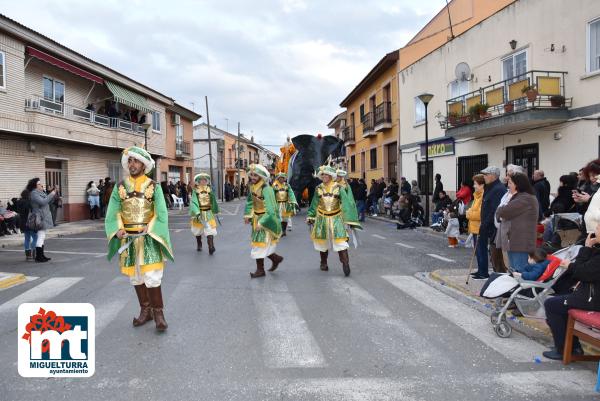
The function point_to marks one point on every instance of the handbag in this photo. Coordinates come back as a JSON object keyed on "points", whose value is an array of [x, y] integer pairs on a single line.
{"points": [[34, 221]]}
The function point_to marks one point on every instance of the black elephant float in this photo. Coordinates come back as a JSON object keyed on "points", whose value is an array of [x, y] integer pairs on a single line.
{"points": [[311, 152]]}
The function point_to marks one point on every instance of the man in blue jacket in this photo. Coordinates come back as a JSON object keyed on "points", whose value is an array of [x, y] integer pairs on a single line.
{"points": [[493, 192]]}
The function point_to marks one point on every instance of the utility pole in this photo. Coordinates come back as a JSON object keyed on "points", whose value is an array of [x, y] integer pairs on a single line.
{"points": [[237, 163], [209, 143]]}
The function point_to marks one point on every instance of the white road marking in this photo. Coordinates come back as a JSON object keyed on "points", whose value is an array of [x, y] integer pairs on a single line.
{"points": [[109, 301], [433, 255], [553, 384], [40, 293], [286, 339], [378, 236], [179, 230], [517, 348], [405, 347], [405, 245]]}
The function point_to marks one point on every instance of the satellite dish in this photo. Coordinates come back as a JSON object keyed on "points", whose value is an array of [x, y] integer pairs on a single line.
{"points": [[462, 71]]}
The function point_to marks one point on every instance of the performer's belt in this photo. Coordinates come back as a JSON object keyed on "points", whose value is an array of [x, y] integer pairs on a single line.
{"points": [[259, 213], [135, 228], [281, 201], [329, 214], [204, 208]]}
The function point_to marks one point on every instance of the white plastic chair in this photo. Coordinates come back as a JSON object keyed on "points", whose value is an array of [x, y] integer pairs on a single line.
{"points": [[177, 201]]}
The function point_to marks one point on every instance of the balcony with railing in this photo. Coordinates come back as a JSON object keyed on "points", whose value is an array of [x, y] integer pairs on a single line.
{"points": [[368, 125], [383, 116], [81, 115], [183, 149], [348, 135], [530, 100]]}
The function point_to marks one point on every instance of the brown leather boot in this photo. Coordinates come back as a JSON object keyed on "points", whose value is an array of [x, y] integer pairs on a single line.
{"points": [[345, 259], [276, 259], [260, 269], [157, 308], [323, 265], [211, 244], [145, 309], [283, 228], [199, 243]]}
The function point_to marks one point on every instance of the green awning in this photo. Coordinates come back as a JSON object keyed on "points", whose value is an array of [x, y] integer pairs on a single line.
{"points": [[125, 96]]}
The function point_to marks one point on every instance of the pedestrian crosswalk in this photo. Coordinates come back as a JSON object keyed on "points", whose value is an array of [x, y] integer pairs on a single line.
{"points": [[289, 339]]}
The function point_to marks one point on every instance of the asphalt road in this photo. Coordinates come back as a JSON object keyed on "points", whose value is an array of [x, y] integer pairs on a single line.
{"points": [[298, 334]]}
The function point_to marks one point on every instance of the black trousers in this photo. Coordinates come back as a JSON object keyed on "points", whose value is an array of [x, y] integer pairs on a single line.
{"points": [[556, 317]]}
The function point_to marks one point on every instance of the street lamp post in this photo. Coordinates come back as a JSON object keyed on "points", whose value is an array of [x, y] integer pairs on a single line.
{"points": [[426, 98]]}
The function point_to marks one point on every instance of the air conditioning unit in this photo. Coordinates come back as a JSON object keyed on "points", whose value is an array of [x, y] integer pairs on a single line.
{"points": [[176, 119], [32, 104]]}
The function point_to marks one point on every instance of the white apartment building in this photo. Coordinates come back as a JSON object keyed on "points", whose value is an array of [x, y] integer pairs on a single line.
{"points": [[553, 45]]}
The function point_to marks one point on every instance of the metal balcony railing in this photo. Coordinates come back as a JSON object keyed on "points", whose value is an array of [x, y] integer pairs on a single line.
{"points": [[79, 114], [348, 133], [183, 148], [367, 123], [383, 113], [531, 90]]}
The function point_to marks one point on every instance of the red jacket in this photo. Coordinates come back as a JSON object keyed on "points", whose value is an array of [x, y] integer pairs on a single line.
{"points": [[464, 194]]}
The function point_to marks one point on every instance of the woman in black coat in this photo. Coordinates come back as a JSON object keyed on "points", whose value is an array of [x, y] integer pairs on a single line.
{"points": [[586, 270], [564, 203]]}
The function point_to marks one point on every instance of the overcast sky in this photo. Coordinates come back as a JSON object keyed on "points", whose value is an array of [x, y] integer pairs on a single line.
{"points": [[280, 67]]}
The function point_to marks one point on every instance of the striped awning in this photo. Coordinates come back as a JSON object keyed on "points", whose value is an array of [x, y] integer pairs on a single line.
{"points": [[125, 96]]}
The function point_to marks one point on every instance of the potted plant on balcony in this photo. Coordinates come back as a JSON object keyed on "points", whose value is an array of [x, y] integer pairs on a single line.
{"points": [[474, 112], [531, 92], [483, 108], [557, 101], [509, 107], [453, 118]]}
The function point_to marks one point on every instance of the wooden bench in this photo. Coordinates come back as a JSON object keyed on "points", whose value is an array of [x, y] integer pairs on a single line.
{"points": [[586, 326]]}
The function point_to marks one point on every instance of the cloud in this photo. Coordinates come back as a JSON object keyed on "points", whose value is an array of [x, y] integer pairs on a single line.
{"points": [[278, 66]]}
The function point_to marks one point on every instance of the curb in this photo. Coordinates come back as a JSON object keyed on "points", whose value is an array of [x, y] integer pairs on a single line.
{"points": [[11, 279], [523, 325]]}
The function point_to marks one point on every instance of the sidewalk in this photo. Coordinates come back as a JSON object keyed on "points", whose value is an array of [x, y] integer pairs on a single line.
{"points": [[387, 219], [63, 229]]}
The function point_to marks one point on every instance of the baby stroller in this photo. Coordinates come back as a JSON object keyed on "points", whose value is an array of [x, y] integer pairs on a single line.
{"points": [[527, 296]]}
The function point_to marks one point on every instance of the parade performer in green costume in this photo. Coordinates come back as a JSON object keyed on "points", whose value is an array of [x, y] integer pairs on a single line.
{"points": [[261, 211], [286, 201], [331, 210], [203, 210], [137, 228]]}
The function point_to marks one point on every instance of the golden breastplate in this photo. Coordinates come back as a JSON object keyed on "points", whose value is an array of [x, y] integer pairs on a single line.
{"points": [[329, 200], [204, 198], [258, 201], [281, 194], [136, 211]]}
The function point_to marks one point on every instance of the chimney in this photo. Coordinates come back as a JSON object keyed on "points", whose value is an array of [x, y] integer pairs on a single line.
{"points": [[252, 139]]}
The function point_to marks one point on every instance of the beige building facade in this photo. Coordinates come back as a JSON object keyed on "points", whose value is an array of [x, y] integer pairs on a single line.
{"points": [[65, 118], [556, 132]]}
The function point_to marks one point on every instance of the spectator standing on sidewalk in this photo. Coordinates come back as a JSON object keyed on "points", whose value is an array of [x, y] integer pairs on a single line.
{"points": [[542, 190], [510, 170], [439, 187], [493, 192], [452, 230], [519, 219], [464, 194], [23, 207], [444, 202], [414, 190], [564, 203], [359, 190], [93, 194], [405, 187], [474, 217], [39, 205]]}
